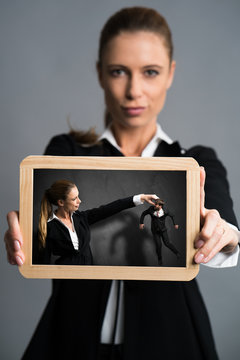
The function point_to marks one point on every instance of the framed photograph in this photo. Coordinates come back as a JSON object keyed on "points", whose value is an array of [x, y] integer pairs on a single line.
{"points": [[86, 218]]}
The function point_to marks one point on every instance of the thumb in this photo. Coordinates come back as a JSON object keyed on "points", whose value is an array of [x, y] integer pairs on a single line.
{"points": [[202, 192]]}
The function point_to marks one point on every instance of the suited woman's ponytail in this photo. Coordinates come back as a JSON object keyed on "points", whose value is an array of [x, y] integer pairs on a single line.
{"points": [[45, 213], [58, 191]]}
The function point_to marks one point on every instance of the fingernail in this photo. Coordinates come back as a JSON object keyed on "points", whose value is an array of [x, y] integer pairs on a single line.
{"points": [[199, 258], [16, 245], [19, 260], [206, 259], [199, 244]]}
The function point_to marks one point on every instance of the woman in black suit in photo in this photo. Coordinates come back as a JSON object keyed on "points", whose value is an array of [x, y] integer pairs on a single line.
{"points": [[66, 232]]}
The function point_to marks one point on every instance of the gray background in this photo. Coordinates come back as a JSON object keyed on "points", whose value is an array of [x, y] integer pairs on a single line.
{"points": [[47, 71]]}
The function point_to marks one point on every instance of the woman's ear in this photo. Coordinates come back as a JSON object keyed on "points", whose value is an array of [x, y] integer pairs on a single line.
{"points": [[60, 203], [171, 73]]}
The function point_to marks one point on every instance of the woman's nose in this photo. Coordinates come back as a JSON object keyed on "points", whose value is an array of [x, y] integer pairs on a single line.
{"points": [[134, 87]]}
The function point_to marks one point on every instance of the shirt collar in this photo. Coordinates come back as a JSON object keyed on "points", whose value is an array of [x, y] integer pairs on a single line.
{"points": [[54, 216], [151, 146]]}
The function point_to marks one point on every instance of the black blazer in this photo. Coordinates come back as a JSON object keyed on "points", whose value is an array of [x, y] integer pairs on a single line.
{"points": [[163, 319], [58, 240], [157, 223]]}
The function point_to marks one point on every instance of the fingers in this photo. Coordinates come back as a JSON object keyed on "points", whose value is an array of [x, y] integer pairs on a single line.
{"points": [[149, 198], [13, 225], [141, 226], [202, 192], [216, 235], [13, 240], [208, 237]]}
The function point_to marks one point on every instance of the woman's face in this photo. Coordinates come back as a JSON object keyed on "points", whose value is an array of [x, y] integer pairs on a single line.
{"points": [[72, 201], [135, 75]]}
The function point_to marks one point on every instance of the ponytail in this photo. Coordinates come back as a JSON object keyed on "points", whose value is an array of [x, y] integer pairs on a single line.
{"points": [[89, 137], [45, 212]]}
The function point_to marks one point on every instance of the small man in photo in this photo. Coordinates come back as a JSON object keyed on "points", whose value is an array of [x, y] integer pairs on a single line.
{"points": [[158, 214]]}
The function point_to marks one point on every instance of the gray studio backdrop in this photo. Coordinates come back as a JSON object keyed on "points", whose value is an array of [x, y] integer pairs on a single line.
{"points": [[47, 72]]}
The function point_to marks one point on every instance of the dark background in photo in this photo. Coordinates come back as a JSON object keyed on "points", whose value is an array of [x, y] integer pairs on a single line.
{"points": [[118, 240]]}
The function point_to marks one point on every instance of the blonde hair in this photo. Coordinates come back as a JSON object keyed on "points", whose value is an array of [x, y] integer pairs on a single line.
{"points": [[58, 191]]}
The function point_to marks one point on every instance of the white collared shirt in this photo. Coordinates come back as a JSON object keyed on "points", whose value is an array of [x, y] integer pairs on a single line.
{"points": [[159, 213], [151, 146]]}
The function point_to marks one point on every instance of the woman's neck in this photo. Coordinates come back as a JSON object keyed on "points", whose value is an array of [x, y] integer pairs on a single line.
{"points": [[65, 218], [62, 214], [132, 141]]}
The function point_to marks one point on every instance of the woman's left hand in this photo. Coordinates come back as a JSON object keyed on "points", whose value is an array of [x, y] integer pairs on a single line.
{"points": [[149, 198], [215, 235]]}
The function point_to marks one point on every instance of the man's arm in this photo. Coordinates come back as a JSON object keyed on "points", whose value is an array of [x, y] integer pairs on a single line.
{"points": [[171, 215], [144, 213]]}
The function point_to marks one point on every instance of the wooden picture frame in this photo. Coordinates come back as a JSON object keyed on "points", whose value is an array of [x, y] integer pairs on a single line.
{"points": [[178, 180]]}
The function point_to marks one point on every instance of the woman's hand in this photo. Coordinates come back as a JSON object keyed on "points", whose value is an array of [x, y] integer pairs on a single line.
{"points": [[13, 240], [149, 198], [215, 235]]}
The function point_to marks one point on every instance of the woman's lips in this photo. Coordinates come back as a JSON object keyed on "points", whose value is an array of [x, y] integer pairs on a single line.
{"points": [[133, 111]]}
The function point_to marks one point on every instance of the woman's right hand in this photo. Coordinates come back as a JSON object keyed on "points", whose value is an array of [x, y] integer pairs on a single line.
{"points": [[149, 198], [13, 240]]}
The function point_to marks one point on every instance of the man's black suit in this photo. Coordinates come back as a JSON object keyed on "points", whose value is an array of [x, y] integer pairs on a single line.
{"points": [[58, 240], [159, 230], [162, 320]]}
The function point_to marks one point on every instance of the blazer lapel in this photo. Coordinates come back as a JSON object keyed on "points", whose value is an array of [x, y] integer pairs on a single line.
{"points": [[165, 149]]}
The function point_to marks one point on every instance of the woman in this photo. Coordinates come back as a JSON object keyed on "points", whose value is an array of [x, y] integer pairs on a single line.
{"points": [[164, 320], [65, 233]]}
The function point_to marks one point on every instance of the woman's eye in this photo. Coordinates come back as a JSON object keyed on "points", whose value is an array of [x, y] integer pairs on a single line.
{"points": [[117, 72], [151, 73]]}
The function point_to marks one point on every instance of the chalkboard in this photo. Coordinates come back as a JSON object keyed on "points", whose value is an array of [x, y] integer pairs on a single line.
{"points": [[120, 250]]}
